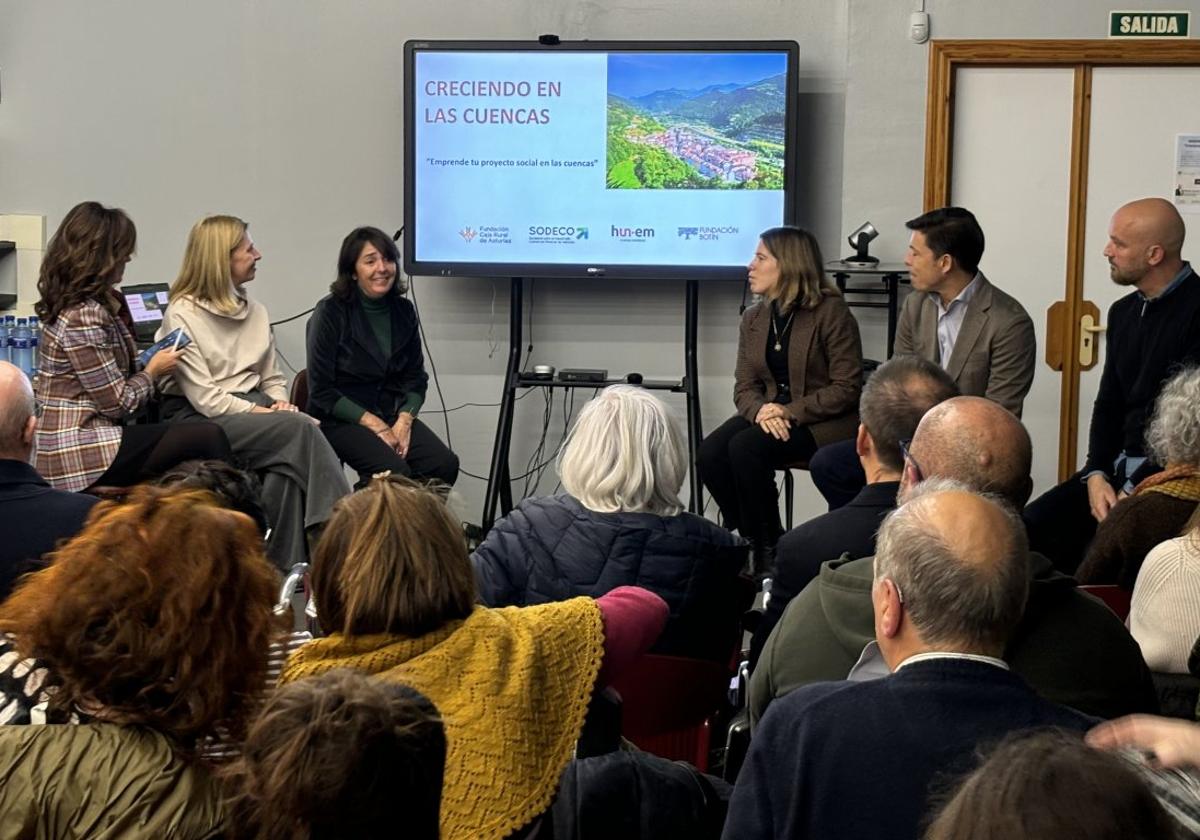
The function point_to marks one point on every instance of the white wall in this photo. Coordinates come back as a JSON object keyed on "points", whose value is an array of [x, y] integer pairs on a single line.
{"points": [[288, 113]]}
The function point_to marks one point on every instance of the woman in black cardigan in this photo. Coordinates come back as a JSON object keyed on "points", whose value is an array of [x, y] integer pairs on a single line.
{"points": [[366, 373]]}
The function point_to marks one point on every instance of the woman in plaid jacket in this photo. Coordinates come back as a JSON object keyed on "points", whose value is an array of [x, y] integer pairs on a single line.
{"points": [[88, 381]]}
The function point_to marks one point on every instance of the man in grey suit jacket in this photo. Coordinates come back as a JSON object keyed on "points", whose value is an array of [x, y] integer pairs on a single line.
{"points": [[981, 336]]}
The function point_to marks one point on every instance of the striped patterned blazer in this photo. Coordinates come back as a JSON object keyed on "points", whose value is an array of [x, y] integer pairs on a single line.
{"points": [[87, 387]]}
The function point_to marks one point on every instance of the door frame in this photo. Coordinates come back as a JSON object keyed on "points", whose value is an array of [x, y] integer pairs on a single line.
{"points": [[946, 57]]}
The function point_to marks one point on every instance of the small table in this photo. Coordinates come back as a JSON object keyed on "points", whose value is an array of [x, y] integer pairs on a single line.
{"points": [[890, 275]]}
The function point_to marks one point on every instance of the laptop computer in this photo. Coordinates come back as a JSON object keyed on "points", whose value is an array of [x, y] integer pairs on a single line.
{"points": [[147, 303]]}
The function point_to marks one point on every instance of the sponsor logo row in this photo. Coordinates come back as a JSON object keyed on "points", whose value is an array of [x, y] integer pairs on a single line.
{"points": [[570, 234]]}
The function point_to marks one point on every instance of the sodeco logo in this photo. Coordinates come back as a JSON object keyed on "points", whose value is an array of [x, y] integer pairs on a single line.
{"points": [[557, 234]]}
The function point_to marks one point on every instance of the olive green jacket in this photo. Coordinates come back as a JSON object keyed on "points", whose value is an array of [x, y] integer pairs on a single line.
{"points": [[101, 782]]}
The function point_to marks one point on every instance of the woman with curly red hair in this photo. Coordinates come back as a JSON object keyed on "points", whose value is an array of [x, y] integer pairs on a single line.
{"points": [[156, 617]]}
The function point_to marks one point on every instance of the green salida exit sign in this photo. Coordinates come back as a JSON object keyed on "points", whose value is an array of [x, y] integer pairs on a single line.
{"points": [[1148, 24]]}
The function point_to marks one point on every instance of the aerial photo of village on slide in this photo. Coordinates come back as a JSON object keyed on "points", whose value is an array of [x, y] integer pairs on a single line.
{"points": [[696, 121]]}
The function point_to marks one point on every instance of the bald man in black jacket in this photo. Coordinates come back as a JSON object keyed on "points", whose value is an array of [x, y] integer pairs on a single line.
{"points": [[34, 517]]}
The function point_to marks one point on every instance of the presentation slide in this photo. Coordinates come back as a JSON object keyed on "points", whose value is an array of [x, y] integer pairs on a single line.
{"points": [[622, 158], [148, 306]]}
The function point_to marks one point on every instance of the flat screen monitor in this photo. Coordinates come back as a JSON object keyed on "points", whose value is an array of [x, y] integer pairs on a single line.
{"points": [[591, 159]]}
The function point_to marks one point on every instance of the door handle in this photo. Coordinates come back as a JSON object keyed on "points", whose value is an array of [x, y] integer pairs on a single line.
{"points": [[1088, 332]]}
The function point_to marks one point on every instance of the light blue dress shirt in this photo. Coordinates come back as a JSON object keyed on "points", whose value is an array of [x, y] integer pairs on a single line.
{"points": [[950, 319]]}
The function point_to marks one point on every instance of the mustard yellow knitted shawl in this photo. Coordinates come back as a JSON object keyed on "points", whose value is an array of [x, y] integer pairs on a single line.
{"points": [[512, 685]]}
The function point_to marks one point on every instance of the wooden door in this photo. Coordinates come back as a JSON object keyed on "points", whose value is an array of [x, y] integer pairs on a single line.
{"points": [[1044, 171], [1136, 113], [1012, 153]]}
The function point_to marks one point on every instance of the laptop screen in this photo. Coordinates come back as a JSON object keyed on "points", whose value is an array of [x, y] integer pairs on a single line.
{"points": [[147, 303]]}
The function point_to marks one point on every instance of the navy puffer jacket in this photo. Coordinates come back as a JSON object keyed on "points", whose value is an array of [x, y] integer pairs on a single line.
{"points": [[553, 548]]}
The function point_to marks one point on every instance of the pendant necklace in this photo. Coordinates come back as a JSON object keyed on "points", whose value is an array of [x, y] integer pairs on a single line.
{"points": [[779, 332]]}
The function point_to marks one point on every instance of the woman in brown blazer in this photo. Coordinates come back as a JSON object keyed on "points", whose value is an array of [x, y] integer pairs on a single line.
{"points": [[796, 385], [89, 381]]}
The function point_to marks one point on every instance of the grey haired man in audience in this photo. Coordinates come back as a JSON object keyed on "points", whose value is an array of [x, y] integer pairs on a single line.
{"points": [[34, 517], [1068, 646], [860, 759]]}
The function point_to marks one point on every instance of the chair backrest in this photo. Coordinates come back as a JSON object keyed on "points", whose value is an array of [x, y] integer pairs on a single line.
{"points": [[107, 492], [1178, 694], [299, 395], [1114, 597], [668, 703]]}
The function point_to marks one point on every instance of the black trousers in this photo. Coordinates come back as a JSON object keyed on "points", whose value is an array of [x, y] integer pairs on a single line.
{"points": [[837, 473], [1060, 523], [367, 454], [150, 449], [737, 464]]}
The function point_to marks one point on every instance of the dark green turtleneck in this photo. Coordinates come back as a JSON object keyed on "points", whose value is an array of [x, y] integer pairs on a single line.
{"points": [[379, 316]]}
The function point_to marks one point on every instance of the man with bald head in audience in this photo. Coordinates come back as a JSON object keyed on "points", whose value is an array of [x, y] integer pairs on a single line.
{"points": [[861, 759], [1151, 333], [1068, 646], [33, 515]]}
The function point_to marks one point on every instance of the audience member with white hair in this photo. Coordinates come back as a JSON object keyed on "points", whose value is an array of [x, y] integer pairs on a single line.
{"points": [[1159, 507], [33, 515], [620, 523]]}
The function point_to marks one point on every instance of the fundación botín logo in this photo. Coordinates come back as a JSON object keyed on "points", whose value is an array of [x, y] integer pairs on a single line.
{"points": [[706, 233]]}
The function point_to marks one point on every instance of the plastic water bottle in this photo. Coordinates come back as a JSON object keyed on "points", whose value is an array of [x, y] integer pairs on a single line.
{"points": [[35, 333], [10, 321], [5, 337], [22, 347]]}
